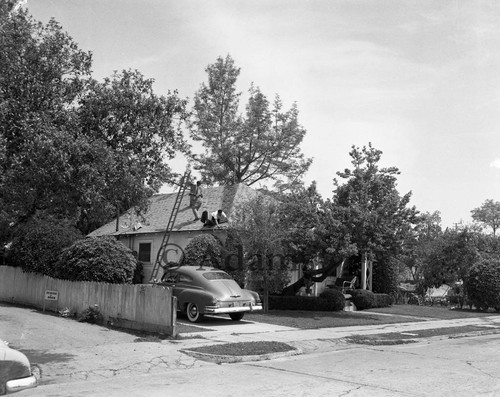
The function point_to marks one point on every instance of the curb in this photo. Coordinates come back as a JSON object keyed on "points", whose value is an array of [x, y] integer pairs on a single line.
{"points": [[226, 359]]}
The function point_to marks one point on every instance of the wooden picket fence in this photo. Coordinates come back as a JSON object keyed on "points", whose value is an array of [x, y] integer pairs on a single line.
{"points": [[139, 307]]}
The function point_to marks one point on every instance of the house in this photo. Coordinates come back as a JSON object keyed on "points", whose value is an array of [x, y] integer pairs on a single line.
{"points": [[144, 233]]}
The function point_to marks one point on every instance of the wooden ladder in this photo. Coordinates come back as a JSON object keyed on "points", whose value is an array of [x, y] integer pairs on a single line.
{"points": [[170, 225]]}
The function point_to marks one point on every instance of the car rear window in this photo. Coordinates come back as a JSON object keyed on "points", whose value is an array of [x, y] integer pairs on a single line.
{"points": [[217, 276]]}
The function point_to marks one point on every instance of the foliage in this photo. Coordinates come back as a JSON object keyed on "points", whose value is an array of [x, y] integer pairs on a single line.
{"points": [[38, 243], [309, 303], [263, 144], [234, 263], [91, 315], [70, 146], [203, 250], [419, 244], [363, 299], [43, 72], [488, 215], [335, 297], [259, 225], [138, 277], [101, 259], [483, 284], [450, 256], [140, 130], [311, 227], [383, 300], [385, 275], [368, 205]]}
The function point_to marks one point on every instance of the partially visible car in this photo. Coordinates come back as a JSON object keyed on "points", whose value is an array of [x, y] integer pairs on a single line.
{"points": [[15, 370], [204, 290]]}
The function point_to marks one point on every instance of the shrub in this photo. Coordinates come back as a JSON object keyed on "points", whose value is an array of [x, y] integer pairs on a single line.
{"points": [[307, 303], [91, 315], [383, 300], [138, 273], [38, 243], [363, 299], [96, 259], [483, 284], [203, 250], [385, 275], [335, 298]]}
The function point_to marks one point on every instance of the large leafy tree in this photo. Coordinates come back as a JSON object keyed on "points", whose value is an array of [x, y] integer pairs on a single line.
{"points": [[261, 145], [70, 146], [312, 232], [377, 218], [140, 131], [488, 215], [42, 72]]}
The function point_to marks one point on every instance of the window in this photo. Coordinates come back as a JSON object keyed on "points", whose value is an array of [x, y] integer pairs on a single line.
{"points": [[217, 276], [185, 278], [144, 252], [169, 277]]}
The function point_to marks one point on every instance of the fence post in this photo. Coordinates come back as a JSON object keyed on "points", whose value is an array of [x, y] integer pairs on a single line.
{"points": [[173, 316]]}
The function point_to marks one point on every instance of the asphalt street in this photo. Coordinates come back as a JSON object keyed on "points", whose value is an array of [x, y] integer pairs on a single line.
{"points": [[78, 359]]}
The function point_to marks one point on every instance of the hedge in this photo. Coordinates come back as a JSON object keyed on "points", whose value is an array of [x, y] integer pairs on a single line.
{"points": [[308, 303]]}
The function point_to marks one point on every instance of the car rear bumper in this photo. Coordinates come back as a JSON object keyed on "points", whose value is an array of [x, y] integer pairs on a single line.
{"points": [[237, 309], [21, 384]]}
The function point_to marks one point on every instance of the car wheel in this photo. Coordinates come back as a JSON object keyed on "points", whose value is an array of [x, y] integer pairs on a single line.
{"points": [[192, 312], [236, 316]]}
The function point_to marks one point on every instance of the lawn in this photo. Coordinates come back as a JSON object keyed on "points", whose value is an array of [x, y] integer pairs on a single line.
{"points": [[387, 315], [310, 320]]}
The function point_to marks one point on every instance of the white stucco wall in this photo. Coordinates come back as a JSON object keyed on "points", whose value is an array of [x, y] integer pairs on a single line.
{"points": [[176, 244]]}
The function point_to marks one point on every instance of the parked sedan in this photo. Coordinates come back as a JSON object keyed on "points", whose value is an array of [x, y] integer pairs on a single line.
{"points": [[15, 370], [206, 290]]}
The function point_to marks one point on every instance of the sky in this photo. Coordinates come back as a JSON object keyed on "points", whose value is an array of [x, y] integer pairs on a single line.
{"points": [[419, 79]]}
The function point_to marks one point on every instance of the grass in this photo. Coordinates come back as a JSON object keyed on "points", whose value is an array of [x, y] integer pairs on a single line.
{"points": [[386, 315], [311, 320], [244, 348]]}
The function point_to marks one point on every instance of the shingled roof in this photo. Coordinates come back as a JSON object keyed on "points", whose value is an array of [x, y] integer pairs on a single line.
{"points": [[156, 218]]}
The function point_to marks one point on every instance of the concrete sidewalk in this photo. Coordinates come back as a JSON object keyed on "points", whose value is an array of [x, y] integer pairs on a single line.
{"points": [[267, 332]]}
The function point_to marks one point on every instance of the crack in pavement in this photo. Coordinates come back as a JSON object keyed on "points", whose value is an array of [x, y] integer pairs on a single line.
{"points": [[471, 364], [331, 378]]}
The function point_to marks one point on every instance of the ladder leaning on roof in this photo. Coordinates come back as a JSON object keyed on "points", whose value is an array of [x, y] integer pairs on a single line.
{"points": [[170, 225]]}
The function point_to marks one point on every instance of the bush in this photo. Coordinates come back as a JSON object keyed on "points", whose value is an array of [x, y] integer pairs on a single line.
{"points": [[483, 284], [96, 259], [383, 300], [307, 303], [91, 315], [335, 298], [203, 250], [363, 299], [138, 273], [38, 243]]}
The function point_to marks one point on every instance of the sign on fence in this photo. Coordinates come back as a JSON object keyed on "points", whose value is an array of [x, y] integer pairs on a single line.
{"points": [[51, 295]]}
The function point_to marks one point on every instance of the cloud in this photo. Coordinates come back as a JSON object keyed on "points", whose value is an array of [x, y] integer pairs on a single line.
{"points": [[495, 163]]}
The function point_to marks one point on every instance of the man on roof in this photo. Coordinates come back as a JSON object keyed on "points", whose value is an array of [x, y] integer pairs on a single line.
{"points": [[219, 217]]}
